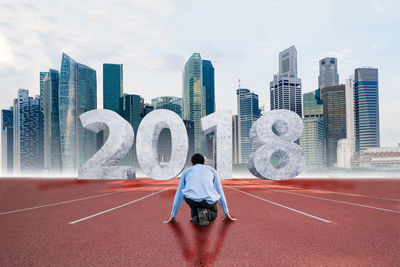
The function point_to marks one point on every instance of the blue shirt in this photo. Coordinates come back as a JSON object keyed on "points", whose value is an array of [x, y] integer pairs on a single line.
{"points": [[199, 182]]}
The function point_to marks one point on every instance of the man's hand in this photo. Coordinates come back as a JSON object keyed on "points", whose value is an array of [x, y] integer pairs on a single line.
{"points": [[228, 217], [171, 219]]}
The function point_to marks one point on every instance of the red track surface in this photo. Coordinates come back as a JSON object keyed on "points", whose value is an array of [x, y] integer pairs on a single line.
{"points": [[356, 222]]}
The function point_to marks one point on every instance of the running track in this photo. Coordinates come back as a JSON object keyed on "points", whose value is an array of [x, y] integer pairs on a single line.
{"points": [[299, 222]]}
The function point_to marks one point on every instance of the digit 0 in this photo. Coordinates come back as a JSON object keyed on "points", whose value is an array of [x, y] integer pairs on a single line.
{"points": [[276, 157]]}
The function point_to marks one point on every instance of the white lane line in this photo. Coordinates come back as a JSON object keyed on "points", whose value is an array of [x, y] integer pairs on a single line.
{"points": [[120, 206], [338, 201], [283, 206], [58, 203]]}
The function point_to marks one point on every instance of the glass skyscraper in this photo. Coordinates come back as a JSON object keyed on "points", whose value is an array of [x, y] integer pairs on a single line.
{"points": [[209, 85], [248, 113], [328, 75], [26, 116], [77, 94], [334, 102], [7, 141], [52, 146], [168, 102], [285, 88], [366, 108], [312, 141], [112, 86]]}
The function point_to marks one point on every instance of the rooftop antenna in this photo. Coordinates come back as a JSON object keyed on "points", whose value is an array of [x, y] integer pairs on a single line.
{"points": [[239, 83]]}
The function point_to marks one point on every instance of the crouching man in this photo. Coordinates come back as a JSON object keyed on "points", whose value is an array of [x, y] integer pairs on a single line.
{"points": [[201, 188]]}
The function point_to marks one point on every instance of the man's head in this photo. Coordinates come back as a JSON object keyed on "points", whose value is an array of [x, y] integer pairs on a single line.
{"points": [[197, 158]]}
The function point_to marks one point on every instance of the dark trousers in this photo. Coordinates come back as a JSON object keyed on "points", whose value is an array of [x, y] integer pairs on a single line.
{"points": [[194, 205]]}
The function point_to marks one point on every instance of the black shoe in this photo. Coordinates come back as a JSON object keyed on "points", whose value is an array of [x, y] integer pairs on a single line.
{"points": [[203, 217], [194, 220]]}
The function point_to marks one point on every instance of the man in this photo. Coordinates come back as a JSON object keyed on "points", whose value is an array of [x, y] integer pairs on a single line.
{"points": [[201, 188]]}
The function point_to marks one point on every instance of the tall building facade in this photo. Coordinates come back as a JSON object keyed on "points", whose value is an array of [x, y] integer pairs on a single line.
{"points": [[248, 113], [168, 102], [334, 105], [312, 141], [366, 108], [235, 145], [285, 88], [209, 85], [194, 99], [27, 116], [131, 107], [7, 141], [112, 86], [77, 94], [52, 145], [328, 74]]}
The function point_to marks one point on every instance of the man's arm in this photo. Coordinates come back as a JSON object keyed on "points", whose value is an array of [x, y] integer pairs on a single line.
{"points": [[222, 199], [178, 198]]}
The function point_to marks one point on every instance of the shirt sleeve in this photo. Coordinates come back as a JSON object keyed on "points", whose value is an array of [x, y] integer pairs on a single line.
{"points": [[178, 196], [220, 191]]}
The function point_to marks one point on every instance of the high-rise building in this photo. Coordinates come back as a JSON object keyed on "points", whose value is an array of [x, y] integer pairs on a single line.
{"points": [[248, 113], [209, 85], [328, 74], [26, 116], [52, 145], [131, 110], [312, 141], [366, 108], [7, 141], [77, 94], [235, 134], [112, 86], [334, 102], [285, 88], [168, 102]]}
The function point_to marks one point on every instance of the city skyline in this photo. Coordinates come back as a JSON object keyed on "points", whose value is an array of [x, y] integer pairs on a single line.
{"points": [[154, 39]]}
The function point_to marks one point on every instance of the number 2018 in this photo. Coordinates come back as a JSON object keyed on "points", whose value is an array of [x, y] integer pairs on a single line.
{"points": [[272, 135]]}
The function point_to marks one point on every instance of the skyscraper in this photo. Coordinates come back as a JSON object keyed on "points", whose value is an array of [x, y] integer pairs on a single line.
{"points": [[112, 86], [334, 102], [52, 145], [312, 141], [208, 84], [7, 141], [285, 88], [168, 102], [328, 75], [77, 94], [366, 108], [194, 99], [26, 116], [235, 134], [248, 113]]}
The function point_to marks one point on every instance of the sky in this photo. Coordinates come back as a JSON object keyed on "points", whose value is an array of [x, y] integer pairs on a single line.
{"points": [[154, 38]]}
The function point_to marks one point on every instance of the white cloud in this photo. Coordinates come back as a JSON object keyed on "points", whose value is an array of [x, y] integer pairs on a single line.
{"points": [[6, 54]]}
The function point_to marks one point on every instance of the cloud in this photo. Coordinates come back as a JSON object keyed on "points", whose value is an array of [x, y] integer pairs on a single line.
{"points": [[6, 56]]}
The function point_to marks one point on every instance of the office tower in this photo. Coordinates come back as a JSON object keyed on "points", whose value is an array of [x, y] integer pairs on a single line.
{"points": [[312, 141], [147, 108], [168, 102], [189, 125], [52, 145], [7, 141], [77, 95], [209, 85], [131, 110], [248, 113], [112, 86], [328, 75], [41, 118], [235, 134], [366, 108], [198, 84], [346, 147], [26, 116], [334, 102], [285, 88]]}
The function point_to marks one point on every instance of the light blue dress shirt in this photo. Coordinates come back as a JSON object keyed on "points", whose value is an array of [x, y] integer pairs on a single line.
{"points": [[199, 182]]}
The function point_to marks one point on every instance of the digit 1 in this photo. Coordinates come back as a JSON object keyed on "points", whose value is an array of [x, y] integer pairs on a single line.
{"points": [[147, 140], [119, 141], [220, 122], [273, 135]]}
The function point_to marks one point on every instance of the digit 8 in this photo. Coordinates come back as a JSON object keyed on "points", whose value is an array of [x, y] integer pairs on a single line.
{"points": [[273, 136]]}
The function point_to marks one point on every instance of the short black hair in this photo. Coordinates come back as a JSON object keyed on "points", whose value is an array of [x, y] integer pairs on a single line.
{"points": [[197, 158]]}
